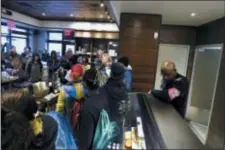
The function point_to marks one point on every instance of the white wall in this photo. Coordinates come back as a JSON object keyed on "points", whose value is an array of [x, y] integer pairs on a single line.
{"points": [[179, 54]]}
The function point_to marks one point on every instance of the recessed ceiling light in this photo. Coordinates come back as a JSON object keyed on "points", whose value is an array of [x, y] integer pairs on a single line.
{"points": [[71, 15], [193, 14], [43, 14], [101, 16], [101, 4], [108, 17]]}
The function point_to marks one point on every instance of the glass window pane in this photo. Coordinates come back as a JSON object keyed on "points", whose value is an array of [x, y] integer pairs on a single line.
{"points": [[55, 47], [5, 43], [55, 36], [19, 35], [4, 29], [19, 29], [20, 44], [4, 40], [72, 47]]}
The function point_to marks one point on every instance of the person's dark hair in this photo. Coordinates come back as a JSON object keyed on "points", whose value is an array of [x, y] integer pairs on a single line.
{"points": [[73, 60], [90, 78], [53, 55], [33, 57], [124, 60], [17, 110], [86, 60], [117, 71]]}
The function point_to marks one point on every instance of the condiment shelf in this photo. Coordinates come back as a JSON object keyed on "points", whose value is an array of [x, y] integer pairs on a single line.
{"points": [[140, 128]]}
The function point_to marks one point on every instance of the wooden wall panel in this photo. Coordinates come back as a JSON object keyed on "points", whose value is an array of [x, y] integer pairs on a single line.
{"points": [[172, 34], [138, 43]]}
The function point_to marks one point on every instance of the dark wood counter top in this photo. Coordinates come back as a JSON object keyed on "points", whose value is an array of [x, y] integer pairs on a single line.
{"points": [[174, 130]]}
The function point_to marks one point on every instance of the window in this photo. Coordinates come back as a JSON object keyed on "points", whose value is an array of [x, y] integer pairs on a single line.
{"points": [[54, 42], [5, 43], [55, 47], [19, 35], [19, 30], [4, 29], [55, 36], [19, 43], [72, 47], [4, 40]]}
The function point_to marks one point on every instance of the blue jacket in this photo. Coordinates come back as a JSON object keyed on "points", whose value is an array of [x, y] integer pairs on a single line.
{"points": [[128, 79]]}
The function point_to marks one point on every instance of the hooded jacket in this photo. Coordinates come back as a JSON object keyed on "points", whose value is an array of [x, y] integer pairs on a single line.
{"points": [[115, 92], [89, 117]]}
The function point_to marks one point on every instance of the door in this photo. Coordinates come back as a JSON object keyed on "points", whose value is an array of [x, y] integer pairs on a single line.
{"points": [[179, 54], [67, 46], [204, 77], [203, 84]]}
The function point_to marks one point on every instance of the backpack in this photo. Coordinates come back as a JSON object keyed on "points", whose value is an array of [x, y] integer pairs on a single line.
{"points": [[64, 139], [105, 132]]}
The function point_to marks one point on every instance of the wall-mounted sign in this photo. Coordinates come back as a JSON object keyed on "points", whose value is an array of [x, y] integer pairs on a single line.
{"points": [[68, 34], [11, 24]]}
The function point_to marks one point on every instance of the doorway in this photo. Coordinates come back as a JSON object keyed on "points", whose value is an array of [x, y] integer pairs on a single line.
{"points": [[202, 88], [179, 54], [68, 45]]}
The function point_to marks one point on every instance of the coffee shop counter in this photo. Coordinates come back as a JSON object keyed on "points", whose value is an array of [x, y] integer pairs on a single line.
{"points": [[157, 126], [140, 128]]}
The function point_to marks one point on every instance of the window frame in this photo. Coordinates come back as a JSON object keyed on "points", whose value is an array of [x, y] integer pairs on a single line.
{"points": [[48, 36], [10, 35]]}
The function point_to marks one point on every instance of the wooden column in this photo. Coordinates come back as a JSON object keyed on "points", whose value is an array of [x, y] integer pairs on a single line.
{"points": [[138, 43]]}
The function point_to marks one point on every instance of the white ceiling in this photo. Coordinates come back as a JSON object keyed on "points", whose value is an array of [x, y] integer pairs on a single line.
{"points": [[174, 12]]}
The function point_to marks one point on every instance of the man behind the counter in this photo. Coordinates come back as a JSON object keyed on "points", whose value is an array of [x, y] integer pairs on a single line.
{"points": [[174, 88]]}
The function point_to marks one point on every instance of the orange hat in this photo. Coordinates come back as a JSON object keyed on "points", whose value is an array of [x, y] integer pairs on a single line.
{"points": [[77, 72]]}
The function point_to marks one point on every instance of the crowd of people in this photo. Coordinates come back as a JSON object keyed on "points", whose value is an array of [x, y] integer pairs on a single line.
{"points": [[86, 89]]}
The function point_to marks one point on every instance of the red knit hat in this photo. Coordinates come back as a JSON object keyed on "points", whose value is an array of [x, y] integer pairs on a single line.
{"points": [[77, 72]]}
